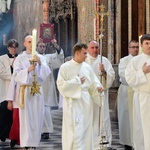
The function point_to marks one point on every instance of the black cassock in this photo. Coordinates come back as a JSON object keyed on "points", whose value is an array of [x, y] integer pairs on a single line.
{"points": [[5, 121]]}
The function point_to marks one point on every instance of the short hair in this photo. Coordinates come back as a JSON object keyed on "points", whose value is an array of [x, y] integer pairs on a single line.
{"points": [[133, 41], [78, 47], [12, 42], [40, 42], [145, 37]]}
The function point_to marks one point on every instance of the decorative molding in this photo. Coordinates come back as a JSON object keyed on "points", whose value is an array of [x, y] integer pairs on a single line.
{"points": [[62, 9]]}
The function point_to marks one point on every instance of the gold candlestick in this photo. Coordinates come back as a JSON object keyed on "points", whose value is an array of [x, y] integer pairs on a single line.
{"points": [[35, 88], [103, 142]]}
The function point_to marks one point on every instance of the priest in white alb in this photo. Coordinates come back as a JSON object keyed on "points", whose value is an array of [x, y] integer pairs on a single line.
{"points": [[137, 75], [104, 68], [80, 88], [125, 99], [32, 102], [54, 61]]}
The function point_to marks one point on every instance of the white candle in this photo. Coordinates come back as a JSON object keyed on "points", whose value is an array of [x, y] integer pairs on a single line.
{"points": [[140, 48], [34, 33]]}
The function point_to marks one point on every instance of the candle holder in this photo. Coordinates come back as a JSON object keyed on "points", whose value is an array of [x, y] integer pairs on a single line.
{"points": [[35, 88]]}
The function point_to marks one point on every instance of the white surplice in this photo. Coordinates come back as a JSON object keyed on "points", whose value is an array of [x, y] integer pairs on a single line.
{"points": [[13, 93], [31, 116], [5, 75], [54, 61], [105, 129], [140, 82], [77, 131], [125, 104]]}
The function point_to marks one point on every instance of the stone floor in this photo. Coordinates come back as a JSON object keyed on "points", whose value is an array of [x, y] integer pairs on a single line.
{"points": [[54, 143]]}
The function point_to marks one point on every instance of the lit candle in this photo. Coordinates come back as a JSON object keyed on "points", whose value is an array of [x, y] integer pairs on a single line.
{"points": [[140, 48], [34, 33]]}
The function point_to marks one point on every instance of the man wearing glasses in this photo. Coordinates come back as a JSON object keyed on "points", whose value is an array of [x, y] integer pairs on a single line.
{"points": [[125, 99], [6, 71]]}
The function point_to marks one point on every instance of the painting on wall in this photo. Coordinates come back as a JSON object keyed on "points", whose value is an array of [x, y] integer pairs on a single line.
{"points": [[47, 32]]}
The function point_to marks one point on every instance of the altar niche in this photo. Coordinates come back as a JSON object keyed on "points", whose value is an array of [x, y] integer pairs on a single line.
{"points": [[63, 14]]}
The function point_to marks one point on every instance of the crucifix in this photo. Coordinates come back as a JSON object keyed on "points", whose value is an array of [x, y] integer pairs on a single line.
{"points": [[102, 14], [101, 129]]}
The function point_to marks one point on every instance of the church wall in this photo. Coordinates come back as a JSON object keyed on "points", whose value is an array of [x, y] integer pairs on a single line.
{"points": [[27, 15], [85, 20]]}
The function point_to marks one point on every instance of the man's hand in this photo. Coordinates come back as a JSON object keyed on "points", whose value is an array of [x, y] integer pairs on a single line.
{"points": [[10, 105], [101, 67], [31, 68], [82, 80], [54, 42], [146, 68], [100, 89]]}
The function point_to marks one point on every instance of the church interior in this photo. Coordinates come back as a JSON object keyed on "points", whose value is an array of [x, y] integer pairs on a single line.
{"points": [[72, 21]]}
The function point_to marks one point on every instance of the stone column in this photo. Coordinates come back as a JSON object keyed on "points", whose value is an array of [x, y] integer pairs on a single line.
{"points": [[147, 16], [110, 45], [129, 20], [141, 17], [46, 4], [85, 20], [97, 20], [118, 31]]}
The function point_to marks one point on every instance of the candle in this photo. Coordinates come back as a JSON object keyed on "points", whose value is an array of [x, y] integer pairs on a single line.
{"points": [[140, 48], [34, 33]]}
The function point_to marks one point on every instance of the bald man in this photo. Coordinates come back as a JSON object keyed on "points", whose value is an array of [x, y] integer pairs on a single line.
{"points": [[32, 110]]}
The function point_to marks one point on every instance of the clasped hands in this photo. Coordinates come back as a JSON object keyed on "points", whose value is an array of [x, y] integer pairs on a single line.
{"points": [[100, 89]]}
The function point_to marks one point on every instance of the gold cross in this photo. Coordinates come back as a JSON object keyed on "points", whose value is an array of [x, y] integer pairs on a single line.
{"points": [[102, 14]]}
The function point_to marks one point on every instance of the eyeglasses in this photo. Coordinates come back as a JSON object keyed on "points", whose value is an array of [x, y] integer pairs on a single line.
{"points": [[134, 47], [13, 47]]}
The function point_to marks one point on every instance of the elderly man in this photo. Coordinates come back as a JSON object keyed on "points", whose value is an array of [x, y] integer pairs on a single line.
{"points": [[107, 77]]}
